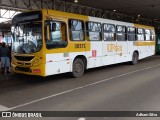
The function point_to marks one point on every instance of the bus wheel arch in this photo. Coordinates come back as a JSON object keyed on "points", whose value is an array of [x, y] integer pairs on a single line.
{"points": [[135, 57], [79, 65]]}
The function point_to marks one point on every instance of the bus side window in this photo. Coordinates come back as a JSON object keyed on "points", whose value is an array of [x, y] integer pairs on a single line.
{"points": [[131, 33], [94, 32], [55, 34], [147, 35], [140, 34], [152, 35], [77, 31], [121, 33], [109, 32]]}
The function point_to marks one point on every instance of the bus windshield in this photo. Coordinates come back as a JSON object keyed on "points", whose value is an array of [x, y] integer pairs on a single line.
{"points": [[27, 37]]}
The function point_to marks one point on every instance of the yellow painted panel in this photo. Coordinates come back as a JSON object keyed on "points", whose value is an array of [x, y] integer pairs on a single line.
{"points": [[60, 14], [73, 46], [79, 46], [143, 26], [144, 43], [39, 56], [150, 43]]}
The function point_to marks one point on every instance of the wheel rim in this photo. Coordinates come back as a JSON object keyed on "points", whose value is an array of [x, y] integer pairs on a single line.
{"points": [[78, 68]]}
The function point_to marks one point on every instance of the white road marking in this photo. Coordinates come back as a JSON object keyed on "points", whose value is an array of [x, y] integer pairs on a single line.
{"points": [[3, 108], [71, 90], [82, 119]]}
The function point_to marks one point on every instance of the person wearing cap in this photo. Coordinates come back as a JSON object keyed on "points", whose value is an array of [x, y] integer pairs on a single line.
{"points": [[5, 62]]}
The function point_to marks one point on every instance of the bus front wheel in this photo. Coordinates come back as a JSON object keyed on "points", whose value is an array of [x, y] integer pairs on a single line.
{"points": [[78, 68], [134, 58]]}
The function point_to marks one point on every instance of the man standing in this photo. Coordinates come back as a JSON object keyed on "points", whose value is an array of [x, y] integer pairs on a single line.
{"points": [[5, 62]]}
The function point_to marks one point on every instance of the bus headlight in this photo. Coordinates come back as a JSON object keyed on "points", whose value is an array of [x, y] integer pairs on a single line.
{"points": [[13, 60], [36, 62]]}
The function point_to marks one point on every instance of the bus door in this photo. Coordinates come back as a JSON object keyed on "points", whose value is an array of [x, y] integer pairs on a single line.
{"points": [[57, 54], [109, 44], [121, 46], [94, 37]]}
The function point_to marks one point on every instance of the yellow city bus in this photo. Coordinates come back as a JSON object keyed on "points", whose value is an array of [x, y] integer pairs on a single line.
{"points": [[49, 42]]}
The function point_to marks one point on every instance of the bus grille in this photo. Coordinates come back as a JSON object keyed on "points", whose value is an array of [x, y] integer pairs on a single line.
{"points": [[24, 58], [22, 69]]}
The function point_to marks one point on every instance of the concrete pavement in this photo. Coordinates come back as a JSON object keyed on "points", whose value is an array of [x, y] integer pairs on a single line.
{"points": [[121, 87]]}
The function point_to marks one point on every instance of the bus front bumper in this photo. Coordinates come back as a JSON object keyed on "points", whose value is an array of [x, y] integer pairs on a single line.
{"points": [[38, 71]]}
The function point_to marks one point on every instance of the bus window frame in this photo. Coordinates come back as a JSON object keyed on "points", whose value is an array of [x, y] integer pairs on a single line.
{"points": [[135, 33], [84, 30], [153, 35], [108, 32], [145, 34], [125, 33], [87, 31], [50, 34], [141, 33]]}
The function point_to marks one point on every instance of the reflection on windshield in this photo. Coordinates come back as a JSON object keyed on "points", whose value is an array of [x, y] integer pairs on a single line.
{"points": [[27, 38]]}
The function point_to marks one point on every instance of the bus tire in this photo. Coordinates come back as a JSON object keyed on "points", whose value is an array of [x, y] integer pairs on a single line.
{"points": [[134, 59], [78, 68]]}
